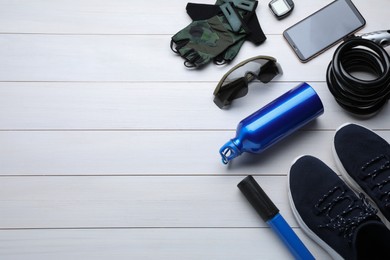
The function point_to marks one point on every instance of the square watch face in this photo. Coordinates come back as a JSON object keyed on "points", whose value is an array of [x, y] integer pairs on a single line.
{"points": [[280, 7]]}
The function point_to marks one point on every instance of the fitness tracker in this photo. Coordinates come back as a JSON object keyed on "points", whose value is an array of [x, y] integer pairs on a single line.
{"points": [[281, 8]]}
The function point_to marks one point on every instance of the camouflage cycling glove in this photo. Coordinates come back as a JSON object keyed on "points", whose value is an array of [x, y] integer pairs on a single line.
{"points": [[203, 40], [249, 17]]}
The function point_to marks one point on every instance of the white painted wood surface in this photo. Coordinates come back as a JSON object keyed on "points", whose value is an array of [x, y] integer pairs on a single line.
{"points": [[109, 145]]}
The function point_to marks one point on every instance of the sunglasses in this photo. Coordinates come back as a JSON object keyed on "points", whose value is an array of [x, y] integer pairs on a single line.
{"points": [[234, 84]]}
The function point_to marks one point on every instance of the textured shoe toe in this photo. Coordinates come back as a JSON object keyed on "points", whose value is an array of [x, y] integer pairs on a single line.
{"points": [[325, 207], [363, 158]]}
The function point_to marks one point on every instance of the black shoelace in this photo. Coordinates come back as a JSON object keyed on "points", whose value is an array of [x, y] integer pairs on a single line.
{"points": [[377, 170], [343, 211]]}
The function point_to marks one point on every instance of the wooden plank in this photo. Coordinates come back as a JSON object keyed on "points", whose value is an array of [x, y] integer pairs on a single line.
{"points": [[133, 202], [120, 17], [134, 58], [109, 146], [148, 105], [182, 243], [149, 152]]}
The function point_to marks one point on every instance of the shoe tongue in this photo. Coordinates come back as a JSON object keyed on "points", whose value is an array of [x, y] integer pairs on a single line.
{"points": [[370, 240], [364, 230]]}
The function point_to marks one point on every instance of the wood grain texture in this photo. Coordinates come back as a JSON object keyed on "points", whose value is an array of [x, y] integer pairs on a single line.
{"points": [[178, 243], [131, 58], [150, 153], [109, 145], [152, 17], [149, 106], [133, 202]]}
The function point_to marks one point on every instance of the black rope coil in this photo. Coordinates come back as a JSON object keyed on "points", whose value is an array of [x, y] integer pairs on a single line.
{"points": [[358, 96]]}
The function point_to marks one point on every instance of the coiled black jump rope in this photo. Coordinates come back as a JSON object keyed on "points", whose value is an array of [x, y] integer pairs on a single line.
{"points": [[361, 54]]}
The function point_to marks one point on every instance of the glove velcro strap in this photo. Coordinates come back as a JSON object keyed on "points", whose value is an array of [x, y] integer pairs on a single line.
{"points": [[231, 16], [246, 5], [206, 11]]}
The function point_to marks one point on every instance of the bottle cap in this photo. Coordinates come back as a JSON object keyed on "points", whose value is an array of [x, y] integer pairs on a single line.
{"points": [[258, 198], [229, 151]]}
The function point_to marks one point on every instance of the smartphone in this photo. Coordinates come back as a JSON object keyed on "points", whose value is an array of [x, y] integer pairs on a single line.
{"points": [[323, 29]]}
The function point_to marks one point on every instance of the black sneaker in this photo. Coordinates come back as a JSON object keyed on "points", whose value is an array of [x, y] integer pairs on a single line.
{"points": [[342, 223], [363, 158]]}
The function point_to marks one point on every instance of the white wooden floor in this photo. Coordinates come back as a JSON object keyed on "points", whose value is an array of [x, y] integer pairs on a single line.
{"points": [[109, 145]]}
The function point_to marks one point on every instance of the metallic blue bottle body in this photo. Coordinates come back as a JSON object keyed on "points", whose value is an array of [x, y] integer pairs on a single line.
{"points": [[274, 121]]}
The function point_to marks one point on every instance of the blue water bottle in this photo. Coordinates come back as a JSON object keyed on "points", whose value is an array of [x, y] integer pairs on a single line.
{"points": [[274, 121]]}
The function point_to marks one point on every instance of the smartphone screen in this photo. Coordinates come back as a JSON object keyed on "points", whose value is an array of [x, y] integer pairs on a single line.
{"points": [[324, 28]]}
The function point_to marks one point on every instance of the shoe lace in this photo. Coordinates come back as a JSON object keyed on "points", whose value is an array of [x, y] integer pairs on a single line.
{"points": [[346, 220], [377, 168]]}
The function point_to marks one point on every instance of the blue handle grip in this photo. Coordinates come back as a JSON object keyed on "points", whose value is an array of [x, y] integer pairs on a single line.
{"points": [[270, 214], [290, 239]]}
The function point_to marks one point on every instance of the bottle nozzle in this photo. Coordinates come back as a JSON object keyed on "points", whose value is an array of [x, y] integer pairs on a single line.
{"points": [[229, 151]]}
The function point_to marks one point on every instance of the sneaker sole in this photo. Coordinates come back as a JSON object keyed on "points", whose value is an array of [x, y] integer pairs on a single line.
{"points": [[351, 182], [304, 227]]}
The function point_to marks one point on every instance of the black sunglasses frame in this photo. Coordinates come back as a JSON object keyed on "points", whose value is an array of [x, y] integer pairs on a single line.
{"points": [[270, 70]]}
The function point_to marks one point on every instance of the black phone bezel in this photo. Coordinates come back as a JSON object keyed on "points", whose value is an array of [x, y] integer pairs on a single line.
{"points": [[296, 49]]}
